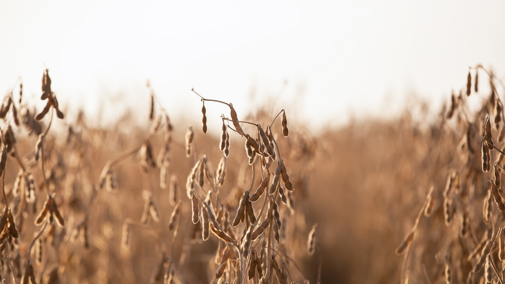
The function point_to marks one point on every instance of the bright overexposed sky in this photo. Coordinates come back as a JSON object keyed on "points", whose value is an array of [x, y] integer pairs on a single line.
{"points": [[339, 57]]}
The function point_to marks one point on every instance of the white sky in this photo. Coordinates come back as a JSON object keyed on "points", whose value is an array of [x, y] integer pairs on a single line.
{"points": [[361, 55]]}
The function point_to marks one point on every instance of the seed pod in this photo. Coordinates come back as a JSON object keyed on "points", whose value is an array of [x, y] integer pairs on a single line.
{"points": [[125, 236], [311, 242], [156, 124], [249, 151], [487, 132], [38, 147], [275, 182], [20, 92], [448, 276], [44, 111], [261, 189], [6, 104], [221, 172], [221, 235], [205, 224], [220, 270], [476, 84], [261, 228], [15, 115], [469, 84], [201, 172], [204, 118], [486, 157], [276, 233], [174, 217], [429, 204], [405, 243], [164, 156], [39, 251], [265, 141], [281, 277], [158, 274], [498, 114], [283, 196], [169, 277], [235, 120], [13, 232], [497, 197], [16, 190], [464, 224], [194, 209], [487, 207], [246, 242], [448, 211], [163, 177], [226, 151], [497, 176], [151, 108], [250, 212], [145, 212], [189, 140], [84, 236], [454, 105], [222, 143], [241, 208], [43, 213], [30, 188], [284, 123], [172, 190], [111, 181], [501, 244], [252, 265], [153, 209], [29, 276]]}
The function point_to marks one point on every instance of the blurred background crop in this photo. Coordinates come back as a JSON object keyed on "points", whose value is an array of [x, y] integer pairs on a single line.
{"points": [[364, 84]]}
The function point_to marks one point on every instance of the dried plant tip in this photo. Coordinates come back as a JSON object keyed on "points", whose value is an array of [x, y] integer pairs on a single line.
{"points": [[469, 84], [284, 123], [405, 243], [311, 241], [189, 140], [204, 118]]}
